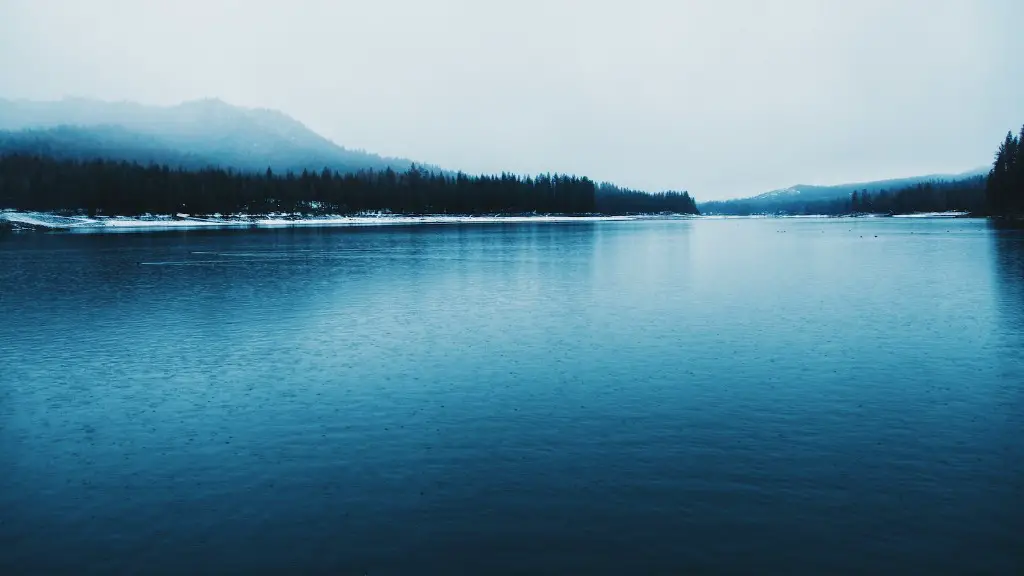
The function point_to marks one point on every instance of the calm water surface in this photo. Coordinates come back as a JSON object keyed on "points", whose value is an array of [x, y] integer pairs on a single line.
{"points": [[713, 396]]}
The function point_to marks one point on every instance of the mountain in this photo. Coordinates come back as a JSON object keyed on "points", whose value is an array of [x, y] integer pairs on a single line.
{"points": [[802, 197], [808, 192], [107, 141], [191, 134]]}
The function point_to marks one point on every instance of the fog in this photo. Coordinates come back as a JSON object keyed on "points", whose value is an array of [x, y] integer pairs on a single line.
{"points": [[722, 98]]}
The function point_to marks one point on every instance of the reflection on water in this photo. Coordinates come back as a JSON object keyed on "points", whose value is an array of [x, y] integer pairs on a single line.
{"points": [[1008, 240], [1009, 263], [798, 396]]}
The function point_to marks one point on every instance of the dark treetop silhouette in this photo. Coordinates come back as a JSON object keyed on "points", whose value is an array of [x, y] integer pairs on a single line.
{"points": [[1006, 180], [207, 156], [999, 192], [35, 182]]}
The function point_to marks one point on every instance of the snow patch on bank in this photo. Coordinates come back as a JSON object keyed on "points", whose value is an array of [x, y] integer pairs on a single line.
{"points": [[47, 221], [932, 215]]}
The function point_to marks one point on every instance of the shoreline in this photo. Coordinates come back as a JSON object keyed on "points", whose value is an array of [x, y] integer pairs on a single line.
{"points": [[28, 221], [31, 221]]}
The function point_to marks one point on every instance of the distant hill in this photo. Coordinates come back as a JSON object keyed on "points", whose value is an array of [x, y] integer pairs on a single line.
{"points": [[107, 142], [801, 197], [191, 134]]}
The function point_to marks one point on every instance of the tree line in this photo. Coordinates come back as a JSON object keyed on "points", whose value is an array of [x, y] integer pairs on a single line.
{"points": [[612, 199], [1000, 193], [1005, 187], [967, 195], [107, 187]]}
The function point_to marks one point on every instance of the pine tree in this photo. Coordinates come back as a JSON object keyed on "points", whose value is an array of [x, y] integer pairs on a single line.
{"points": [[1003, 197], [1016, 180]]}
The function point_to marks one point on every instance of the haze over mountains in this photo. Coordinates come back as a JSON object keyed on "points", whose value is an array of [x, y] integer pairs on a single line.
{"points": [[810, 192], [210, 132], [52, 159], [193, 134], [803, 197]]}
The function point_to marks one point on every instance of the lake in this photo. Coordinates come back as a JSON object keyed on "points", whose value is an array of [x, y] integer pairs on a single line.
{"points": [[841, 396]]}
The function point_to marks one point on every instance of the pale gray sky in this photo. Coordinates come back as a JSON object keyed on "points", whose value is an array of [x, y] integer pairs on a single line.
{"points": [[719, 97]]}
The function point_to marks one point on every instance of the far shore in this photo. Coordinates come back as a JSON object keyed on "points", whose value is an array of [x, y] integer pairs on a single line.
{"points": [[48, 221], [16, 220]]}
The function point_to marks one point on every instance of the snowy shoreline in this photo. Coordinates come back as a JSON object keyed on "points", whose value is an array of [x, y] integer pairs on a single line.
{"points": [[46, 221], [934, 215]]}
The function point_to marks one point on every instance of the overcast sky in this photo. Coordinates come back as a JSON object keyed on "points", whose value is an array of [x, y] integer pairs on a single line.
{"points": [[719, 97]]}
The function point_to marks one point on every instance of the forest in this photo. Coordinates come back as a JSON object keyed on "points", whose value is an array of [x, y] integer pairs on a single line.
{"points": [[999, 193], [106, 187], [964, 195], [37, 181], [1005, 186]]}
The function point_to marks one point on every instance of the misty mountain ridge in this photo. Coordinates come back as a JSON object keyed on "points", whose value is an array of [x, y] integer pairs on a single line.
{"points": [[803, 197], [197, 133], [829, 192], [212, 133]]}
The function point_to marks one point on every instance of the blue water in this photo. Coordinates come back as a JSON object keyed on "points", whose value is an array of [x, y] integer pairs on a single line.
{"points": [[697, 396]]}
